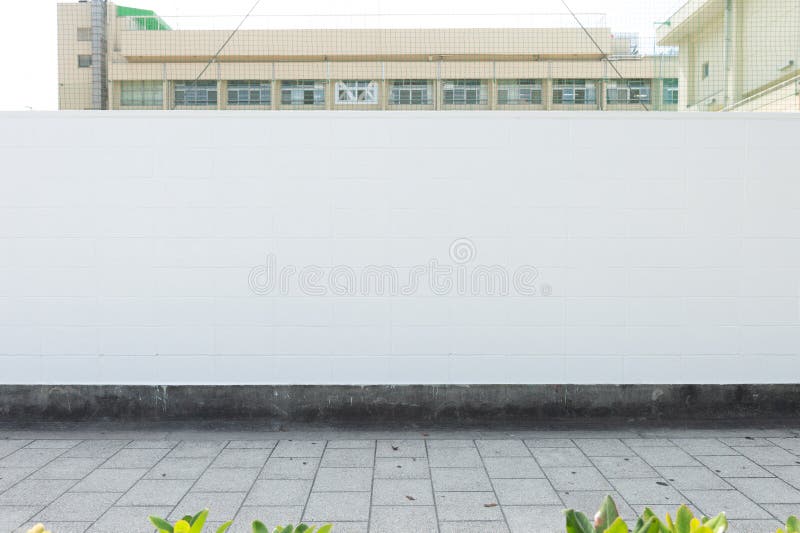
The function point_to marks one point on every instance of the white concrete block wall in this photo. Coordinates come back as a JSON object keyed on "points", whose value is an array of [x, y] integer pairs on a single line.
{"points": [[667, 247]]}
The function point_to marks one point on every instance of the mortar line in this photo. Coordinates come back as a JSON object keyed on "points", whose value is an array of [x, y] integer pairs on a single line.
{"points": [[253, 484], [372, 482], [430, 482], [314, 479], [491, 483]]}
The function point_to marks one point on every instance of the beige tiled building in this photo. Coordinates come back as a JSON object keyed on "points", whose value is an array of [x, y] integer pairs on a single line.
{"points": [[737, 55], [113, 57]]}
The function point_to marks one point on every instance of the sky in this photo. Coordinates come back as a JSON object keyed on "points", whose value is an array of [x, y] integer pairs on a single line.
{"points": [[29, 34]]}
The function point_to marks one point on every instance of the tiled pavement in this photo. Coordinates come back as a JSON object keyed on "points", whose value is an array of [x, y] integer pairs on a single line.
{"points": [[380, 481]]}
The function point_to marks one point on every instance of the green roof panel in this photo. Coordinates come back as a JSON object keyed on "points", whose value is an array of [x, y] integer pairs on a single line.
{"points": [[143, 19]]}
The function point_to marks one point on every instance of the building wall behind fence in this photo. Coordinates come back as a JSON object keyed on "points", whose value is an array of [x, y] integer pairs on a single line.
{"points": [[248, 248]]}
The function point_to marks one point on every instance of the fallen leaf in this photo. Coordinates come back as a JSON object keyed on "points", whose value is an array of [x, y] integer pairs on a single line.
{"points": [[395, 448], [490, 505], [411, 498]]}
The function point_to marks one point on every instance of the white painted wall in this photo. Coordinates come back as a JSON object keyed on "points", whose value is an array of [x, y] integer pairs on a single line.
{"points": [[670, 244]]}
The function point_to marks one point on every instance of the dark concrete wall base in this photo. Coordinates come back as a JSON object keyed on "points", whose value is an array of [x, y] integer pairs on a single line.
{"points": [[432, 404]]}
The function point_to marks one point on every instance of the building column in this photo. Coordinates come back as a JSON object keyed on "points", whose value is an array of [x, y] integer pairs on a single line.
{"points": [[657, 94], [275, 95], [330, 87], [222, 94], [601, 93], [491, 87], [547, 93], [166, 101]]}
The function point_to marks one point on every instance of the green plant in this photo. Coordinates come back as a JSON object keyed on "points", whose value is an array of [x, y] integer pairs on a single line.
{"points": [[792, 526], [607, 520], [259, 527], [187, 524]]}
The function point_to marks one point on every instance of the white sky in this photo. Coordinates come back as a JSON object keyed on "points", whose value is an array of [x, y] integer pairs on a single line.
{"points": [[29, 32]]}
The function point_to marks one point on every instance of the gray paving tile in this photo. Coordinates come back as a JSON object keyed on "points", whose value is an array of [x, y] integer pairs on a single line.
{"points": [[35, 492], [179, 468], [9, 446], [502, 448], [790, 474], [753, 526], [401, 448], [299, 448], [623, 467], [577, 478], [67, 468], [290, 468], [343, 479], [10, 476], [652, 491], [156, 492], [666, 456], [791, 444], [735, 504], [226, 480], [547, 457], [603, 447], [704, 447], [151, 443], [402, 492], [512, 467], [279, 492], [435, 444], [30, 457], [12, 516], [768, 455], [547, 519], [222, 505], [767, 490], [460, 479], [467, 506], [589, 501], [109, 480], [525, 492], [248, 458], [454, 458], [733, 466], [353, 457], [662, 510], [127, 519], [647, 443], [77, 507], [403, 518], [135, 458], [271, 516], [102, 449], [337, 506], [198, 448], [252, 444], [401, 468], [59, 527], [692, 477], [53, 444], [351, 443], [549, 443], [473, 527], [745, 441], [782, 511]]}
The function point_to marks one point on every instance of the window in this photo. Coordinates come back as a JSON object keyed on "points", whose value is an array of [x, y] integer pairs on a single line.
{"points": [[84, 61], [706, 70], [249, 93], [141, 93], [628, 92], [84, 34], [410, 92], [574, 92], [356, 92], [465, 92], [519, 92], [671, 91], [195, 93], [303, 92]]}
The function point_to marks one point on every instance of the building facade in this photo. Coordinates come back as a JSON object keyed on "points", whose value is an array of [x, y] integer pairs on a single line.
{"points": [[114, 57], [736, 55]]}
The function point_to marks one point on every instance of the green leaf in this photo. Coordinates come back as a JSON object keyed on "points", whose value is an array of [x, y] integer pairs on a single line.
{"points": [[606, 515], [792, 525], [198, 521], [683, 520], [182, 526], [224, 527], [649, 526], [577, 522], [162, 524], [259, 527], [618, 526], [325, 529], [301, 528], [718, 524]]}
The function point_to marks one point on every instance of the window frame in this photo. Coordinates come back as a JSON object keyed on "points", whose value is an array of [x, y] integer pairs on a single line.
{"points": [[195, 88], [81, 61], [410, 92], [134, 93], [248, 88], [574, 86], [671, 89], [465, 92], [531, 87], [357, 92], [83, 31], [637, 91], [303, 88]]}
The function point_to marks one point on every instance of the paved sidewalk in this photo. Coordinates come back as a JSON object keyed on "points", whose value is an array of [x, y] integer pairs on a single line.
{"points": [[402, 481]]}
